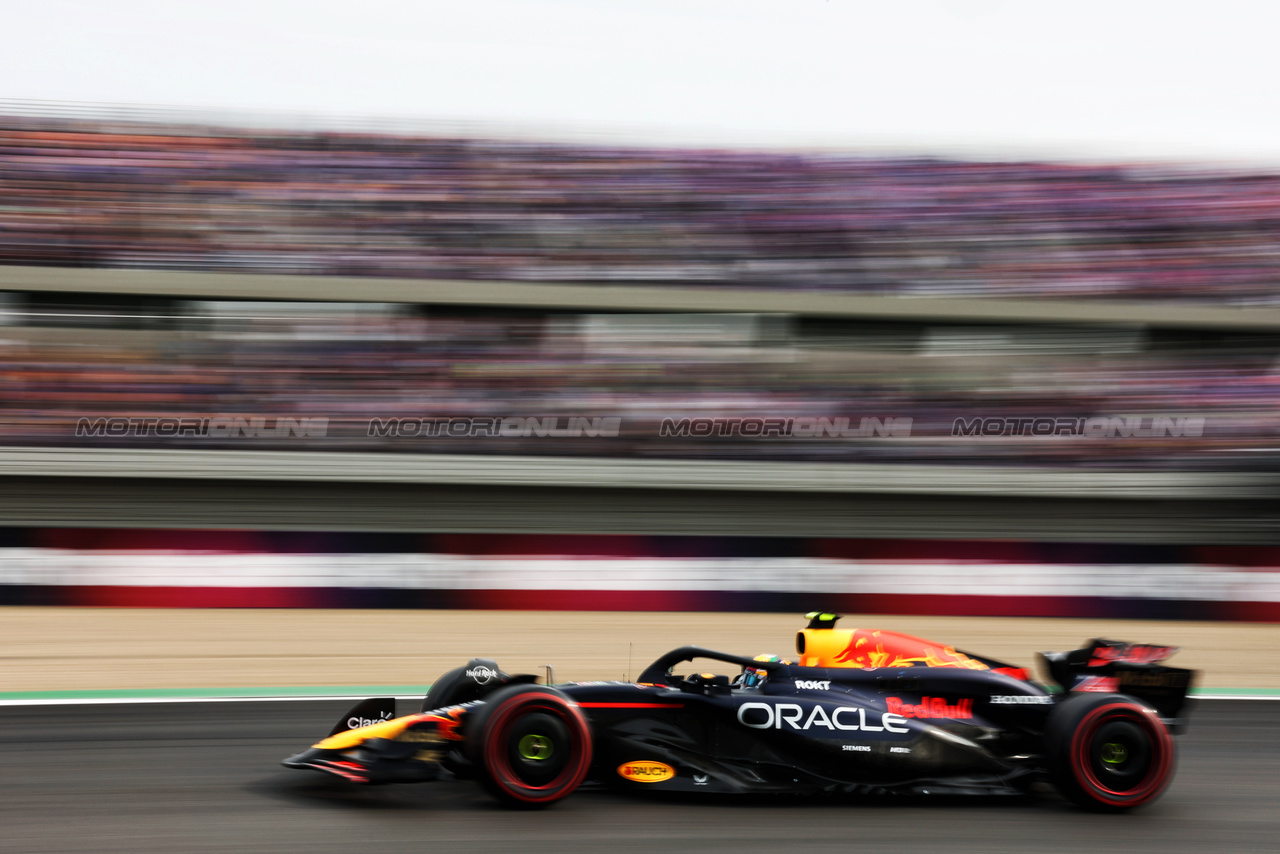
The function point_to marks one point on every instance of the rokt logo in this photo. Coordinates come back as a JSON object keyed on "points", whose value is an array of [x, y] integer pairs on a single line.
{"points": [[807, 685]]}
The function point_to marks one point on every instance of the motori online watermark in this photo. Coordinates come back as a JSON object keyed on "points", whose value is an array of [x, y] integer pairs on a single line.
{"points": [[610, 427], [787, 428], [503, 427], [1096, 427], [211, 427]]}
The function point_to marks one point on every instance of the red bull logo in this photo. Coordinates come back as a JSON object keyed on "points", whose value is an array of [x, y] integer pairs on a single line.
{"points": [[865, 649], [930, 707], [1132, 653], [874, 648]]}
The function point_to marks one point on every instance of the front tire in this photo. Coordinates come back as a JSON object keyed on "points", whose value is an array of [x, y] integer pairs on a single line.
{"points": [[1108, 751], [531, 745]]}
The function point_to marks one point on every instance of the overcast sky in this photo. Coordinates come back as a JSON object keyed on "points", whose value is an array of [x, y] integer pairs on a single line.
{"points": [[1112, 79]]}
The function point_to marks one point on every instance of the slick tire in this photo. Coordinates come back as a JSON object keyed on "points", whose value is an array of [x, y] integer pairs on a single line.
{"points": [[531, 746], [1108, 752]]}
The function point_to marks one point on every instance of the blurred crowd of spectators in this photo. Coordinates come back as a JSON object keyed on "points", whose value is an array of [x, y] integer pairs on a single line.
{"points": [[352, 367], [98, 193]]}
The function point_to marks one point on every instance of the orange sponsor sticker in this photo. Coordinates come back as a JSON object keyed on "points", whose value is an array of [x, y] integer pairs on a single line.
{"points": [[646, 772]]}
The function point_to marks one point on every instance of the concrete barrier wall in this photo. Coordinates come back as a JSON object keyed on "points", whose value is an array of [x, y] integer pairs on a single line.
{"points": [[622, 297]]}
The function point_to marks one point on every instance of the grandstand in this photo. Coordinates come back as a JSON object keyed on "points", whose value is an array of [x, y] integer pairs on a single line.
{"points": [[1108, 320], [142, 194]]}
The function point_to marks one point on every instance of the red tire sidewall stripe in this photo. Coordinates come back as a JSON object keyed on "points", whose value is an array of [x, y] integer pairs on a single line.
{"points": [[1157, 776], [495, 750]]}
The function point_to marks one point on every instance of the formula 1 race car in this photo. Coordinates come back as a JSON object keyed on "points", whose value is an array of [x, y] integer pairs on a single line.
{"points": [[859, 711]]}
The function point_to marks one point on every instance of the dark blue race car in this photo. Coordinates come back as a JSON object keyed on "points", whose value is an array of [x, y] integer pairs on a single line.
{"points": [[858, 710]]}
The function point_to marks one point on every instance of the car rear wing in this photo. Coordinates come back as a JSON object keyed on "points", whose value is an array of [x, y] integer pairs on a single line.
{"points": [[1116, 667]]}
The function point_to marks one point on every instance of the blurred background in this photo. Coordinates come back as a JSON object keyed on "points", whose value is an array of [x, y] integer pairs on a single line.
{"points": [[912, 359], [1163, 283], [341, 343], [436, 308]]}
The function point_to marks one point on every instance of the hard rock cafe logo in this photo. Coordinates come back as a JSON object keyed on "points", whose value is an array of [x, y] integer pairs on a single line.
{"points": [[482, 675]]}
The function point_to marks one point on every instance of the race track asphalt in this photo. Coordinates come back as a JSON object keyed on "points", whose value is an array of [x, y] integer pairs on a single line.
{"points": [[205, 777]]}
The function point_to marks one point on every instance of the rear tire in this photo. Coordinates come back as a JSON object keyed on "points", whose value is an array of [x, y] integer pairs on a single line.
{"points": [[530, 744], [1108, 751]]}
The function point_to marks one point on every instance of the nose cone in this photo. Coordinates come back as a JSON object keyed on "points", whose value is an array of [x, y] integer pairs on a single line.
{"points": [[305, 759]]}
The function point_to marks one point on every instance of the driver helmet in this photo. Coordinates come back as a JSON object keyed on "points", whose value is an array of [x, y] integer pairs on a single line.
{"points": [[753, 677]]}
